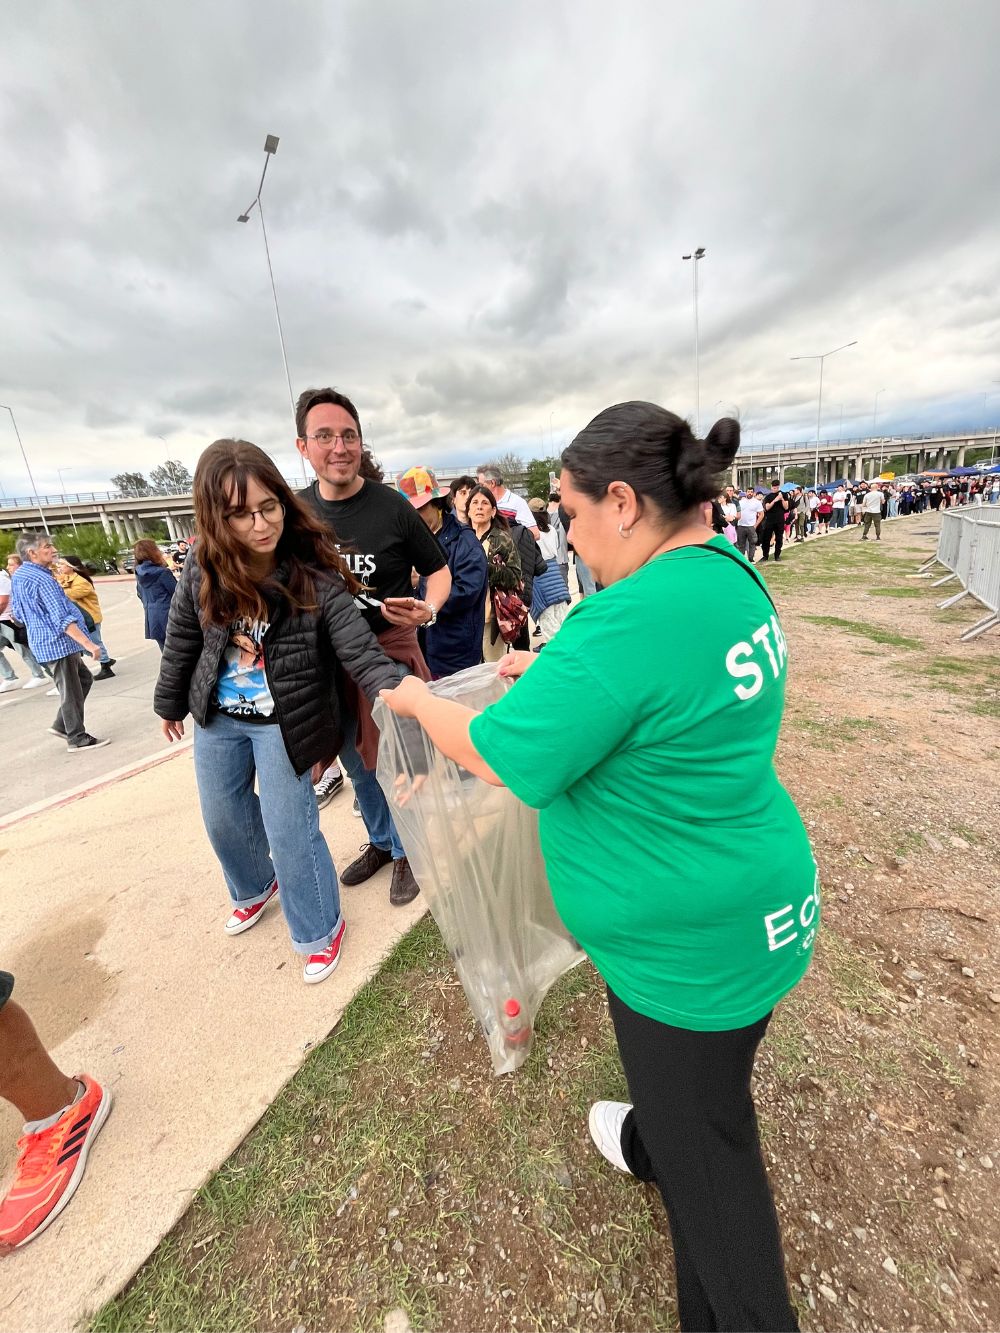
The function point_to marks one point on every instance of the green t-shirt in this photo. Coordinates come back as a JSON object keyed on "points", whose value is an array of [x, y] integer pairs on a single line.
{"points": [[644, 735]]}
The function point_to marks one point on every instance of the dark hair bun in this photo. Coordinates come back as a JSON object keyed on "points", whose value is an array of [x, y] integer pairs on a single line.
{"points": [[656, 452], [698, 463], [722, 443]]}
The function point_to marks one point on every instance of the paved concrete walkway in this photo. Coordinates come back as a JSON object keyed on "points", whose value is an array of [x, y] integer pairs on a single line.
{"points": [[112, 907]]}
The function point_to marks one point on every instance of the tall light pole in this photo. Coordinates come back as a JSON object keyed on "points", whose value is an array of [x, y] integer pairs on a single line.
{"points": [[27, 465], [821, 357], [270, 148], [62, 487], [694, 256], [875, 426]]}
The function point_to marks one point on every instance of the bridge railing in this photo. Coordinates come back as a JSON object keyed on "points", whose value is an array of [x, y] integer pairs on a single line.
{"points": [[102, 497], [969, 549]]}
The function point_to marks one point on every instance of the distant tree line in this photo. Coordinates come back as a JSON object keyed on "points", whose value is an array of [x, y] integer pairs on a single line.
{"points": [[168, 477]]}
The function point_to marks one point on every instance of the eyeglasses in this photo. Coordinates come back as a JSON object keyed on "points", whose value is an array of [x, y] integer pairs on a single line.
{"points": [[242, 520], [348, 438]]}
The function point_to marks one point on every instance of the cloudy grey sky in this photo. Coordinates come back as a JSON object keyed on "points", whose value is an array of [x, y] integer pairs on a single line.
{"points": [[477, 214]]}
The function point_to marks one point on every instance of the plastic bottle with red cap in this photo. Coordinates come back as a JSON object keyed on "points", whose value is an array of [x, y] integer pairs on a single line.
{"points": [[515, 1025]]}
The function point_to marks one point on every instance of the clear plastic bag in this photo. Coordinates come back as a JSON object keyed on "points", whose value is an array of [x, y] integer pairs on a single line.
{"points": [[475, 853]]}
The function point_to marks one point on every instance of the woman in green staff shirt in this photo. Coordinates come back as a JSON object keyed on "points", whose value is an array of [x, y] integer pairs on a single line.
{"points": [[658, 716]]}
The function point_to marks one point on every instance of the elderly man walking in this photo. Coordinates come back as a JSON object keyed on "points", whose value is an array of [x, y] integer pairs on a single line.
{"points": [[57, 635]]}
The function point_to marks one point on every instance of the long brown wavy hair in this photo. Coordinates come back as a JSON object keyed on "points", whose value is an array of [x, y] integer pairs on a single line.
{"points": [[305, 551]]}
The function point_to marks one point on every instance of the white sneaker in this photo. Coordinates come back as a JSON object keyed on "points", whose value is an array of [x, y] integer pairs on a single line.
{"points": [[320, 965], [8, 685], [243, 918], [35, 681], [605, 1124], [52, 694]]}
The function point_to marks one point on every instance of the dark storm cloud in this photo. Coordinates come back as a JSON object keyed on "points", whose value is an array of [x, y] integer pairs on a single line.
{"points": [[477, 214]]}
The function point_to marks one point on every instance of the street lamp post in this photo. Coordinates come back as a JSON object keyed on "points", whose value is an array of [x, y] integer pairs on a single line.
{"points": [[270, 148], [694, 257], [992, 451], [821, 357], [27, 465], [62, 487], [875, 426]]}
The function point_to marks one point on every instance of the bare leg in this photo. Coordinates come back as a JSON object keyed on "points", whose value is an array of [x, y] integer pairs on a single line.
{"points": [[28, 1077]]}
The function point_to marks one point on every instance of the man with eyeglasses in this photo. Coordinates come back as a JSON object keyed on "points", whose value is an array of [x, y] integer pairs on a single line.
{"points": [[383, 540]]}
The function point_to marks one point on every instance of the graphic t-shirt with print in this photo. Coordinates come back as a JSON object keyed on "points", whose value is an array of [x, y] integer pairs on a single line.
{"points": [[242, 689], [658, 763], [382, 538]]}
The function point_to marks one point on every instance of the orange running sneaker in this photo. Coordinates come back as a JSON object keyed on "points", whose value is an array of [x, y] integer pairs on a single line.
{"points": [[50, 1166]]}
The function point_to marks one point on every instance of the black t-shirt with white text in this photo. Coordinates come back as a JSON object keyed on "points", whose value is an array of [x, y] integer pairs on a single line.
{"points": [[382, 538]]}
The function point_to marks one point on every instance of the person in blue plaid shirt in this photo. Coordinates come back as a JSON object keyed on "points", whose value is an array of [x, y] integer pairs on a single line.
{"points": [[57, 635]]}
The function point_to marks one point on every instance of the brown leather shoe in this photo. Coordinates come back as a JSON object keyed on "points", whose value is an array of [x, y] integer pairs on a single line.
{"points": [[404, 888], [372, 858]]}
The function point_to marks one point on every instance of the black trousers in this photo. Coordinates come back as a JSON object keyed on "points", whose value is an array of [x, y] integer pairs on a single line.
{"points": [[767, 535], [692, 1131], [74, 682]]}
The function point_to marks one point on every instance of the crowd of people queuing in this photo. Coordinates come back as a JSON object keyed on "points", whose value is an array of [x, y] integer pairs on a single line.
{"points": [[753, 519], [294, 612]]}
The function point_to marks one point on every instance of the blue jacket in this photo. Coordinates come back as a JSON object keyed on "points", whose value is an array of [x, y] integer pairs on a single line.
{"points": [[549, 589], [155, 586], [456, 641]]}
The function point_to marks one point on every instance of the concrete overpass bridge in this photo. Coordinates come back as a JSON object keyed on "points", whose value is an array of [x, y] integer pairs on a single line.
{"points": [[124, 518], [859, 459]]}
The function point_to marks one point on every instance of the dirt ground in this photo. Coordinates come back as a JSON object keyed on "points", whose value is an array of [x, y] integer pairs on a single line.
{"points": [[398, 1182]]}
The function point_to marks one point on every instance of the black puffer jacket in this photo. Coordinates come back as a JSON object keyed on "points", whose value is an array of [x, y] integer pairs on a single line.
{"points": [[302, 651], [532, 561]]}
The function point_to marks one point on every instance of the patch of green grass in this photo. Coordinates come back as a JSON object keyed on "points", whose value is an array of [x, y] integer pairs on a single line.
{"points": [[934, 1059], [395, 1132], [969, 834], [971, 680], [854, 978], [895, 592], [873, 632], [910, 842]]}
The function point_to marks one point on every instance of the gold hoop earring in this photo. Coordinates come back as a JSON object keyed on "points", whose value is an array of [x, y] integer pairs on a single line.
{"points": [[622, 532]]}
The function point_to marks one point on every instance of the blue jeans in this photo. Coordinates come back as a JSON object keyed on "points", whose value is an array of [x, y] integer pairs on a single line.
{"points": [[584, 577], [371, 800], [95, 636], [275, 836]]}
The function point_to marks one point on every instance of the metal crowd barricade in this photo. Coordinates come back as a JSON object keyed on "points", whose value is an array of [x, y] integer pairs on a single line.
{"points": [[949, 544], [969, 549], [984, 575]]}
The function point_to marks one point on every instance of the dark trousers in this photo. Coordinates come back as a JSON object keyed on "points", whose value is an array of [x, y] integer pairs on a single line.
{"points": [[693, 1132], [73, 681], [769, 534]]}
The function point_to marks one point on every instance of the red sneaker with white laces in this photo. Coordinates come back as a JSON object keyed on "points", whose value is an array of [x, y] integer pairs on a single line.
{"points": [[320, 965], [245, 917], [50, 1166]]}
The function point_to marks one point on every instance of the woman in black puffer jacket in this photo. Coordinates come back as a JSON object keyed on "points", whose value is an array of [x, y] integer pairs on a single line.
{"points": [[261, 624]]}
